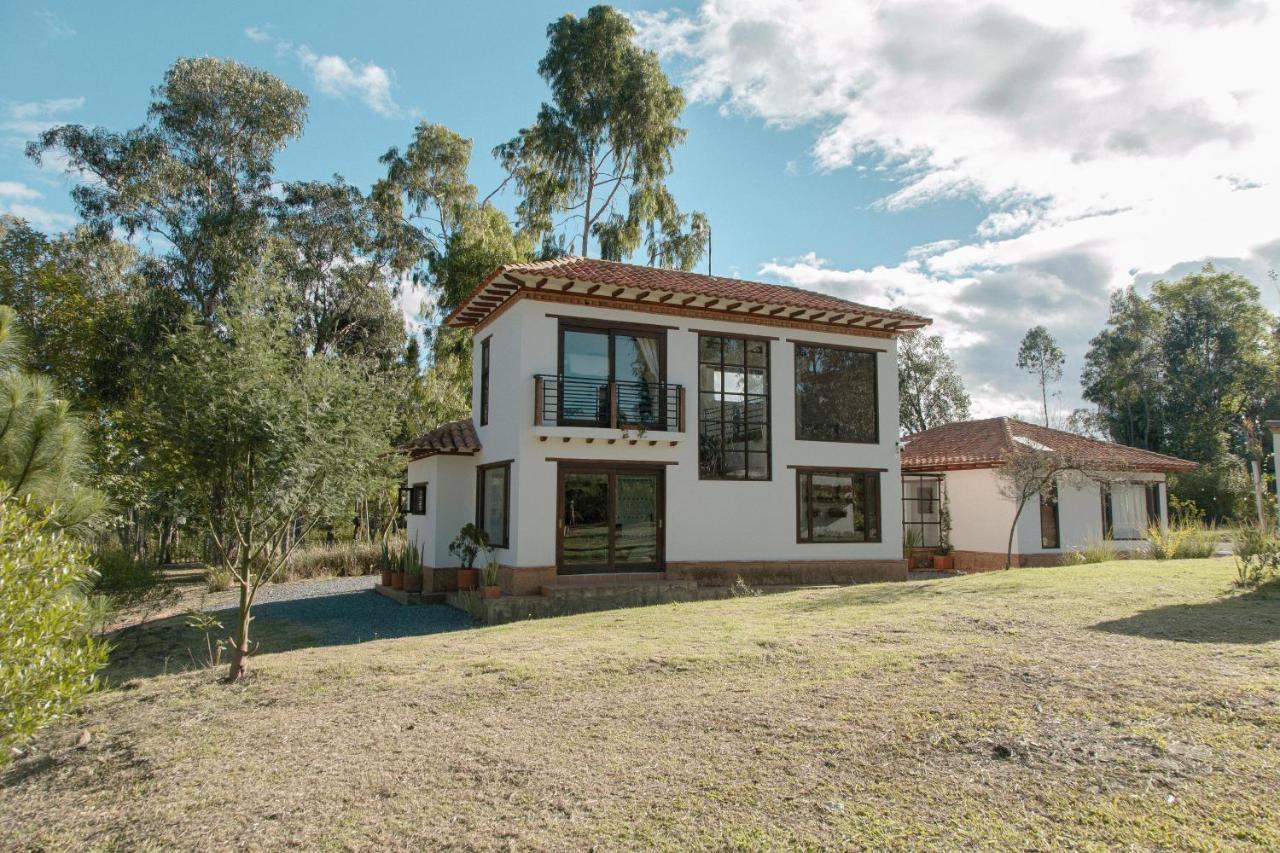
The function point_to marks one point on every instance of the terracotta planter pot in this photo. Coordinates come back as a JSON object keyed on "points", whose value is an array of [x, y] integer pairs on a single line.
{"points": [[491, 591], [944, 564], [413, 582], [397, 580], [385, 580], [467, 578]]}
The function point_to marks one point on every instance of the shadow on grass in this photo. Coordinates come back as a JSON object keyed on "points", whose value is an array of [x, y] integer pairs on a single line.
{"points": [[172, 645], [1247, 619], [871, 595]]}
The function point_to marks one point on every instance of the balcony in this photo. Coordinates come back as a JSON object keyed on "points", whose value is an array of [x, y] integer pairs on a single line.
{"points": [[572, 401]]}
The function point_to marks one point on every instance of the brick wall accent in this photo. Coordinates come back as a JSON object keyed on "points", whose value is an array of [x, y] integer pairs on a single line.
{"points": [[524, 580], [787, 572], [993, 561]]}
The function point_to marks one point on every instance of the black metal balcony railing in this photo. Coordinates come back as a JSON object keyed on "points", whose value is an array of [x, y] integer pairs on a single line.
{"points": [[577, 401]]}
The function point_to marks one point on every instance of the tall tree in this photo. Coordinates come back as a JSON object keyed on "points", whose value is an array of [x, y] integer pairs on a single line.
{"points": [[1041, 356], [197, 176], [600, 152], [48, 655], [930, 390], [1124, 372]]}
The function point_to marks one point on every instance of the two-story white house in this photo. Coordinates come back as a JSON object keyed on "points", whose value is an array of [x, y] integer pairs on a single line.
{"points": [[631, 419]]}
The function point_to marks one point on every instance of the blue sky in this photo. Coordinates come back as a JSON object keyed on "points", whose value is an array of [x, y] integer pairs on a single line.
{"points": [[992, 167]]}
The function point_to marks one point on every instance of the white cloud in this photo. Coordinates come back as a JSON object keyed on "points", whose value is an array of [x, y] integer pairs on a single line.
{"points": [[339, 77], [25, 120], [1107, 139], [45, 220], [335, 76], [54, 26], [15, 189]]}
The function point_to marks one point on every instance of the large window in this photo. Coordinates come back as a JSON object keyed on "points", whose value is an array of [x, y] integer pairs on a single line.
{"points": [[493, 502], [836, 397], [733, 408], [418, 499], [630, 358], [484, 382], [922, 509], [838, 506], [1049, 534], [1125, 511]]}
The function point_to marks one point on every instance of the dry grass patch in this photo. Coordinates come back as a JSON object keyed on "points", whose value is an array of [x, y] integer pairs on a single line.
{"points": [[1128, 703]]}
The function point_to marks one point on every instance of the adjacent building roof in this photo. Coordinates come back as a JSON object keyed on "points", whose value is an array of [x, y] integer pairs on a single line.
{"points": [[661, 290], [985, 443], [455, 437]]}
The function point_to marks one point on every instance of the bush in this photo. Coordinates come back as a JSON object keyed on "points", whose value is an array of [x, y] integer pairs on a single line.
{"points": [[1182, 540], [1093, 551], [340, 559], [218, 579], [48, 656], [1257, 554], [128, 583]]}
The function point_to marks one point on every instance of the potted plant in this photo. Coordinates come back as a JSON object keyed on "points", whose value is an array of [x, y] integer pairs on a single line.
{"points": [[471, 540], [412, 568], [385, 565], [397, 577], [491, 587], [943, 561]]}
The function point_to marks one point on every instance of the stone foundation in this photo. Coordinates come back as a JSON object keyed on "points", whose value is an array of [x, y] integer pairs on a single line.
{"points": [[787, 572]]}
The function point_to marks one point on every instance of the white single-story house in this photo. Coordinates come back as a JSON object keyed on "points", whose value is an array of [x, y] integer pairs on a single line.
{"points": [[1117, 500], [632, 420]]}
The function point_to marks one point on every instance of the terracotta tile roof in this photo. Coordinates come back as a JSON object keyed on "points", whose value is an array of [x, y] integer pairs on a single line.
{"points": [[657, 282], [453, 437], [984, 444]]}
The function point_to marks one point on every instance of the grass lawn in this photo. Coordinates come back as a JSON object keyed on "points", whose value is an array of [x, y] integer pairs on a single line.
{"points": [[1126, 703]]}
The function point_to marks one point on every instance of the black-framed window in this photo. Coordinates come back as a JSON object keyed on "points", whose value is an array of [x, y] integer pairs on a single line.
{"points": [[598, 359], [836, 394], [405, 497], [1050, 535], [418, 499], [493, 502], [837, 506], [922, 508], [484, 382], [1153, 504], [733, 408]]}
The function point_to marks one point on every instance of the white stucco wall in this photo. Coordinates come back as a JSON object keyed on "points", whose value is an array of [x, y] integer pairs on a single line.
{"points": [[705, 520], [451, 496], [980, 516]]}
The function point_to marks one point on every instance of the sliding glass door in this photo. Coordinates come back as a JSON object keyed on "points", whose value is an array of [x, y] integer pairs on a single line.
{"points": [[610, 519]]}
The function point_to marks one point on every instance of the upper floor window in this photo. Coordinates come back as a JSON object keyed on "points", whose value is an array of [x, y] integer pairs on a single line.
{"points": [[632, 360], [837, 506], [484, 382], [836, 394], [733, 408]]}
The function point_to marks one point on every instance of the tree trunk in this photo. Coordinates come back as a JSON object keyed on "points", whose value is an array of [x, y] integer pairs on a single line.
{"points": [[1044, 399], [1255, 466], [240, 653], [1008, 552]]}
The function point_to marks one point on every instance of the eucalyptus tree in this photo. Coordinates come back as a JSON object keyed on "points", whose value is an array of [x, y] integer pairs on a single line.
{"points": [[599, 154], [196, 178], [1040, 355], [930, 390]]}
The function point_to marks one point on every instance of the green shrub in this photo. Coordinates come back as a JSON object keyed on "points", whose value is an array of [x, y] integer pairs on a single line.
{"points": [[1184, 539], [128, 583], [1257, 556], [218, 578], [48, 656]]}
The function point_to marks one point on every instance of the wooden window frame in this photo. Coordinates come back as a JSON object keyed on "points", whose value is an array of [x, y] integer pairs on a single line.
{"points": [[1154, 515], [418, 499], [768, 405], [484, 381], [481, 470], [611, 329], [875, 389], [612, 469], [1057, 520], [804, 508]]}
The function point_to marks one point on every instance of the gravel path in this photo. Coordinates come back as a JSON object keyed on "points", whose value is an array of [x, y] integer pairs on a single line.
{"points": [[346, 610]]}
